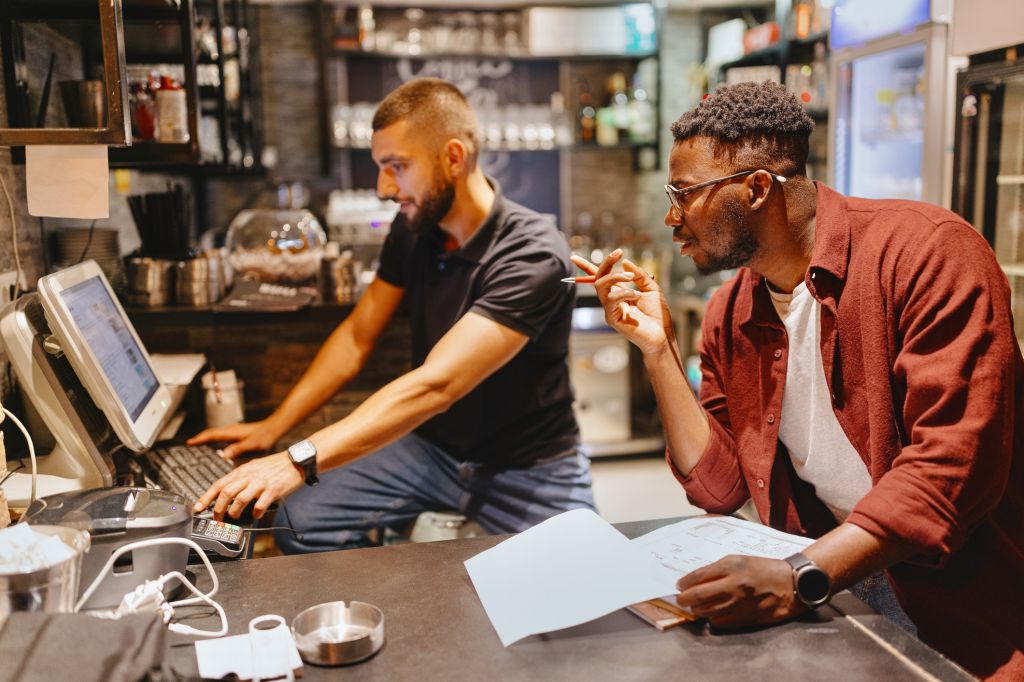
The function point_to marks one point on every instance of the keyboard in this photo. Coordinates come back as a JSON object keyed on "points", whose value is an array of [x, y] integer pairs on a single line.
{"points": [[188, 470]]}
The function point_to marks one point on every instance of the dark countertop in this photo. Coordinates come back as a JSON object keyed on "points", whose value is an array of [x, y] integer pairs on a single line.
{"points": [[436, 628]]}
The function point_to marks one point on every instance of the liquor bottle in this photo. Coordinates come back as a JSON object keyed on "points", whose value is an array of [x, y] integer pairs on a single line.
{"points": [[819, 78], [345, 33], [367, 28], [618, 100], [642, 114], [172, 111], [560, 121], [648, 258], [587, 115]]}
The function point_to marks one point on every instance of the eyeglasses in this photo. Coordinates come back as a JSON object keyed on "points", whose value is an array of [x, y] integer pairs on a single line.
{"points": [[676, 194]]}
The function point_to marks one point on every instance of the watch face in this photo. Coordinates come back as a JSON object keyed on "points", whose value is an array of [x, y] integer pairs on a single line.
{"points": [[812, 585], [302, 451]]}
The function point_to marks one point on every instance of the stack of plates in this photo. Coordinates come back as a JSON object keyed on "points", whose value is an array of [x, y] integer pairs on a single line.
{"points": [[73, 245], [72, 242]]}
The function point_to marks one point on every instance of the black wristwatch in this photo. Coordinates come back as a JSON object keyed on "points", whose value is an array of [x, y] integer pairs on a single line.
{"points": [[810, 584], [303, 454]]}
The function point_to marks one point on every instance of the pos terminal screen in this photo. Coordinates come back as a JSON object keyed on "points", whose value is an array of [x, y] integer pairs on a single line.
{"points": [[104, 331]]}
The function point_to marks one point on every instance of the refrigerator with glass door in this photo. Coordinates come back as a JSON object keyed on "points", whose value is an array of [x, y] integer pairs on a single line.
{"points": [[891, 99], [890, 118], [988, 182]]}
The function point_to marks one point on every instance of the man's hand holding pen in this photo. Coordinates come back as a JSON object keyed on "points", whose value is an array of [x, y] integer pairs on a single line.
{"points": [[640, 314]]}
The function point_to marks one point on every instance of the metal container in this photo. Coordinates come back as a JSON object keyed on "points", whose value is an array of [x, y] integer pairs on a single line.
{"points": [[336, 633], [200, 281], [599, 369], [53, 589], [151, 281]]}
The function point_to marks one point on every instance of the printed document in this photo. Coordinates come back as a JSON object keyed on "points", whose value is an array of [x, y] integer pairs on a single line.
{"points": [[575, 567]]}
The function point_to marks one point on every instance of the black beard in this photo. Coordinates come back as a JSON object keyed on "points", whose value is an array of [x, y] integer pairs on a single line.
{"points": [[732, 244], [434, 207]]}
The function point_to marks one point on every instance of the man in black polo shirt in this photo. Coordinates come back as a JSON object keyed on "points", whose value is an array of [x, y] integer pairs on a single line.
{"points": [[484, 421]]}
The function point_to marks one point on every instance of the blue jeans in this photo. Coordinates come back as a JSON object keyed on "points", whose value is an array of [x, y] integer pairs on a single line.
{"points": [[401, 480], [877, 593]]}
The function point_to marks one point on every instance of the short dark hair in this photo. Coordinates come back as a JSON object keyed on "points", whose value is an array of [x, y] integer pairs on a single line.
{"points": [[758, 125], [437, 107]]}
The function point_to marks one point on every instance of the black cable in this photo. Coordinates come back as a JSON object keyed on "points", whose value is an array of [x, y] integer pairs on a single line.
{"points": [[88, 242], [46, 250], [297, 534]]}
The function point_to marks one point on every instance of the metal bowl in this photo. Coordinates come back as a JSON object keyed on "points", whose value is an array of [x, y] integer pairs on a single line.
{"points": [[336, 633]]}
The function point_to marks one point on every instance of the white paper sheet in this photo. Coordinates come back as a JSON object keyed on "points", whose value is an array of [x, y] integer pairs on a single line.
{"points": [[23, 550], [68, 181], [576, 567], [177, 369], [688, 545], [568, 570]]}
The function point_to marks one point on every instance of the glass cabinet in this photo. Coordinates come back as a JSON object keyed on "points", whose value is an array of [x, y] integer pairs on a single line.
{"points": [[988, 187], [52, 99], [167, 84]]}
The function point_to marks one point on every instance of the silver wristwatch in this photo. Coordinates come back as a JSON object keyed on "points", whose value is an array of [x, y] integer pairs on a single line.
{"points": [[303, 454], [810, 584]]}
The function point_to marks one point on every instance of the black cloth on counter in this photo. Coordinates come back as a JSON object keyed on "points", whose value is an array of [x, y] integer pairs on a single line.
{"points": [[42, 647], [509, 271]]}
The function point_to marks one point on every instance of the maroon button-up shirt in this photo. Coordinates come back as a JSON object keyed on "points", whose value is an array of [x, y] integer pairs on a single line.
{"points": [[927, 382]]}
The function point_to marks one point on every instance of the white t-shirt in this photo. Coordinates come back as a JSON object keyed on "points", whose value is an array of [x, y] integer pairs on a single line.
{"points": [[821, 453]]}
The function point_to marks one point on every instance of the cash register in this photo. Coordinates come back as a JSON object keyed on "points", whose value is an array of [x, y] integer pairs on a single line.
{"points": [[88, 376]]}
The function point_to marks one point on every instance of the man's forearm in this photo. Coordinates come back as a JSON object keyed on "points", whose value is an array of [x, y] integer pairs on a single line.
{"points": [[683, 419], [387, 415], [339, 360], [849, 554]]}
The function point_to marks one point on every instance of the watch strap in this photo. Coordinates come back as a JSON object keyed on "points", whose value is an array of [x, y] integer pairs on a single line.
{"points": [[803, 566], [307, 463], [798, 561]]}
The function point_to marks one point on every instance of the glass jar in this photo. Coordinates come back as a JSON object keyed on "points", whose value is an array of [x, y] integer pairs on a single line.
{"points": [[276, 245]]}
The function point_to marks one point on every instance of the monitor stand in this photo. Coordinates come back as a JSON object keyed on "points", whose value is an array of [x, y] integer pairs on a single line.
{"points": [[82, 457], [57, 472]]}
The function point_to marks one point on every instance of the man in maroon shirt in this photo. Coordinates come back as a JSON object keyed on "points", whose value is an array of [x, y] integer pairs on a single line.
{"points": [[899, 444]]}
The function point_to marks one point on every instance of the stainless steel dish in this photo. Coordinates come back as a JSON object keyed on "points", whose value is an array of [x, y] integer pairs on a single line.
{"points": [[51, 589], [150, 281], [336, 633]]}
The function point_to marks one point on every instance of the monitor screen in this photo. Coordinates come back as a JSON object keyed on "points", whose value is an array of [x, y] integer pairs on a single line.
{"points": [[109, 339]]}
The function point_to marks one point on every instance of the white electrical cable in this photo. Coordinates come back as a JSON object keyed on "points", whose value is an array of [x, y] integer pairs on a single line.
{"points": [[31, 450], [14, 238], [200, 598]]}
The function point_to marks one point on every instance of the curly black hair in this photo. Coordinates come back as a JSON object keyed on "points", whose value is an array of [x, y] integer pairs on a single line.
{"points": [[755, 124]]}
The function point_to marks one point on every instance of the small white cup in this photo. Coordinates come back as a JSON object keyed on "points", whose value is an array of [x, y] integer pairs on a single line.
{"points": [[226, 406]]}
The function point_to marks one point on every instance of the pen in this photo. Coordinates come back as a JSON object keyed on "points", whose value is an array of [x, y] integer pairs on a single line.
{"points": [[582, 279]]}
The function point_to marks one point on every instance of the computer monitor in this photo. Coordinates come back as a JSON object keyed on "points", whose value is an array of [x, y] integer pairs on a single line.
{"points": [[105, 352]]}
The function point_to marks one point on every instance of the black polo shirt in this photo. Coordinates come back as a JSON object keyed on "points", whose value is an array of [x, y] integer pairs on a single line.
{"points": [[509, 272]]}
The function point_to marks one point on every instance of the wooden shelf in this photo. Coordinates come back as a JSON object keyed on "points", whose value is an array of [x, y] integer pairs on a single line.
{"points": [[362, 54], [774, 54], [132, 10], [572, 147], [187, 315], [149, 153], [809, 40]]}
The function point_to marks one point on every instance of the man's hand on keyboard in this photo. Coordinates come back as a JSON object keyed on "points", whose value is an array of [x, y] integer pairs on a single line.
{"points": [[245, 437], [264, 479]]}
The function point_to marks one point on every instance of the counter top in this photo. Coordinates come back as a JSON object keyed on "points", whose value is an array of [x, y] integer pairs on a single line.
{"points": [[436, 628]]}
